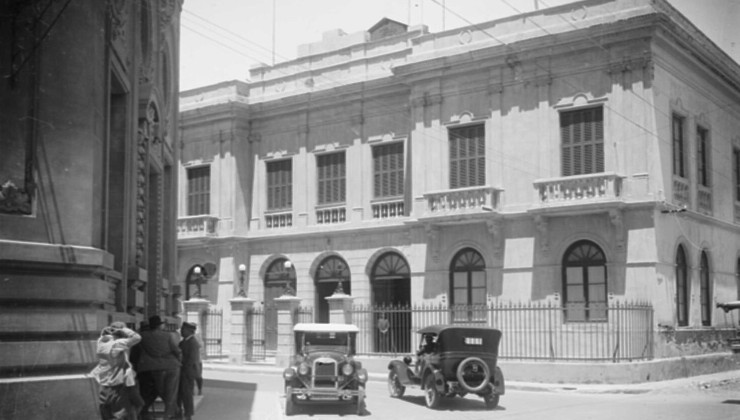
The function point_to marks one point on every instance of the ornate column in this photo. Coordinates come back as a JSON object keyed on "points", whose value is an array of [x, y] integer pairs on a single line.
{"points": [[340, 308], [286, 307], [242, 330]]}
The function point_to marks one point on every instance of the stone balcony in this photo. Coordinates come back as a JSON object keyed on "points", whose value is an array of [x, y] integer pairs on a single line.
{"points": [[462, 202], [578, 190], [197, 226]]}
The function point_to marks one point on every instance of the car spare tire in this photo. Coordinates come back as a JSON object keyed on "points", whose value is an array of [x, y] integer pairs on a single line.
{"points": [[473, 374]]}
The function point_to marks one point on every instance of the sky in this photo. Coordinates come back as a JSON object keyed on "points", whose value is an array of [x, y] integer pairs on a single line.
{"points": [[221, 40]]}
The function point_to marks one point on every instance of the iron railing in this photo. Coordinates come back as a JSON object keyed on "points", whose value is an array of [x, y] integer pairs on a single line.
{"points": [[531, 331], [212, 332]]}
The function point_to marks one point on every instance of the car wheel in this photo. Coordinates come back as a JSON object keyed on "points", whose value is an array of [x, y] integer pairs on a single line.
{"points": [[431, 395], [473, 366], [289, 403], [394, 385], [491, 400], [361, 401]]}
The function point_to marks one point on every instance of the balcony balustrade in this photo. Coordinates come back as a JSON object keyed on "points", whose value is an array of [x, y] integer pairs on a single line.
{"points": [[279, 220], [579, 189], [704, 199], [388, 209], [330, 215], [196, 226], [469, 200], [681, 192]]}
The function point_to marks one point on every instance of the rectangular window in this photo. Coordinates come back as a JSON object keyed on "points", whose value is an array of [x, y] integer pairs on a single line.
{"points": [[736, 167], [388, 170], [280, 185], [582, 138], [199, 191], [702, 156], [332, 171], [679, 167], [467, 156]]}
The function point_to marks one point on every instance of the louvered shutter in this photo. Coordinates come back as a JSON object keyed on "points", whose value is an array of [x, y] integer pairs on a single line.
{"points": [[582, 142]]}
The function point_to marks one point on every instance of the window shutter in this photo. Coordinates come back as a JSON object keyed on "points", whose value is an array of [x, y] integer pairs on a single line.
{"points": [[582, 142]]}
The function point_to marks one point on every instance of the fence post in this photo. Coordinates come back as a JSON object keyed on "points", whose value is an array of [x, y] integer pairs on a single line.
{"points": [[286, 306], [340, 308], [240, 348]]}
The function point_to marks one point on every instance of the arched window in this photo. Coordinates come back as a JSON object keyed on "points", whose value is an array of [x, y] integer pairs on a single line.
{"points": [[682, 288], [705, 291], [332, 276], [280, 276], [584, 282], [467, 286]]}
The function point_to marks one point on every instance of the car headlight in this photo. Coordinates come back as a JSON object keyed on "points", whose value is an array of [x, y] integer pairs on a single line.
{"points": [[288, 374], [362, 375], [303, 369], [347, 369]]}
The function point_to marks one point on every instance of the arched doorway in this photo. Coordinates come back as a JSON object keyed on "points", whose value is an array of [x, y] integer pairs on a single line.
{"points": [[682, 288], [279, 277], [196, 280], [468, 286], [391, 285], [332, 275], [584, 282]]}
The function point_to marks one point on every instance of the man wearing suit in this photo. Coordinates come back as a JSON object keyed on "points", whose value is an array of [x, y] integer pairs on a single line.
{"points": [[190, 369]]}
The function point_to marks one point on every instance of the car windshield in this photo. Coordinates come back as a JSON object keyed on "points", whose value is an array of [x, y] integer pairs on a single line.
{"points": [[332, 341]]}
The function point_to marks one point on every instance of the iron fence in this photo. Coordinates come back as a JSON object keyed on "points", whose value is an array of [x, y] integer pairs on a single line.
{"points": [[531, 331], [212, 332], [261, 330]]}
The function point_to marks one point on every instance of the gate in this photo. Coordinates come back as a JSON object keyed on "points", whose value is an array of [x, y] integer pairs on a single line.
{"points": [[212, 332]]}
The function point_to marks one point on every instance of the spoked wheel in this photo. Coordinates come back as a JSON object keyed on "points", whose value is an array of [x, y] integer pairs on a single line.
{"points": [[431, 395], [289, 403], [491, 400], [394, 385], [361, 400]]}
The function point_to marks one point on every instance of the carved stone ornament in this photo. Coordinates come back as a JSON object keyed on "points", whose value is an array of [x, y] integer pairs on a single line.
{"points": [[14, 200], [432, 240], [616, 218], [118, 12], [540, 223]]}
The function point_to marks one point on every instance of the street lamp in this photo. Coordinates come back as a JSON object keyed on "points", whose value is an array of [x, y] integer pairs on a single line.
{"points": [[288, 290], [242, 270], [198, 280]]}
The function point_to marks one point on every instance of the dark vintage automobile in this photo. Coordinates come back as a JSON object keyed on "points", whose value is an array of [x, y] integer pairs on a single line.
{"points": [[323, 369], [452, 361], [734, 342]]}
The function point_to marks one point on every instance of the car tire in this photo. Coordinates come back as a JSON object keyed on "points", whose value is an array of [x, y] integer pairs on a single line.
{"points": [[395, 389], [432, 397], [289, 403], [461, 375], [361, 401], [491, 400]]}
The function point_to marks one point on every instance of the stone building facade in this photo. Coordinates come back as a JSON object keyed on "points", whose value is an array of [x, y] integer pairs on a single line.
{"points": [[583, 155], [88, 129]]}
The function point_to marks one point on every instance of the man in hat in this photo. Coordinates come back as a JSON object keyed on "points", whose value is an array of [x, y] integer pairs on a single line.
{"points": [[189, 370], [159, 366], [115, 374]]}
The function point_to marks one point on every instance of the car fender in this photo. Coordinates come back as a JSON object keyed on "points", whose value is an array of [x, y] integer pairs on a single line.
{"points": [[402, 370], [498, 381], [439, 379]]}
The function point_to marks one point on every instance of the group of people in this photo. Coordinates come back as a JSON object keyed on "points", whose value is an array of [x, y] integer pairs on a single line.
{"points": [[134, 368]]}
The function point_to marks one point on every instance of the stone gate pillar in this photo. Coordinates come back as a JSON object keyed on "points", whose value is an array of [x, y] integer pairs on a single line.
{"points": [[286, 308], [241, 330], [194, 310], [340, 308]]}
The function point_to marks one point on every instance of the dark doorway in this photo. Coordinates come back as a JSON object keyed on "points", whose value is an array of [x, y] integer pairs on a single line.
{"points": [[332, 276], [391, 285], [278, 279]]}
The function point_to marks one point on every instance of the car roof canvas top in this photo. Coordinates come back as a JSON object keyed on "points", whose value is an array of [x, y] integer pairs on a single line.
{"points": [[306, 327]]}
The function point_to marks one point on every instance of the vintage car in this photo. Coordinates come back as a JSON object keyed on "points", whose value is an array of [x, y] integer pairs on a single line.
{"points": [[323, 369], [452, 361]]}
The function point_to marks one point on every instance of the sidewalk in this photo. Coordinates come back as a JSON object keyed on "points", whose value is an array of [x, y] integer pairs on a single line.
{"points": [[696, 382]]}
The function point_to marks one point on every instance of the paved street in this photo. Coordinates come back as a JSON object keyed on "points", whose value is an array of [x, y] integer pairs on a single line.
{"points": [[246, 395]]}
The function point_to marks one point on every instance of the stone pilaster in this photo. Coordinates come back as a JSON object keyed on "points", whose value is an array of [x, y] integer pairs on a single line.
{"points": [[286, 308], [241, 330], [340, 308]]}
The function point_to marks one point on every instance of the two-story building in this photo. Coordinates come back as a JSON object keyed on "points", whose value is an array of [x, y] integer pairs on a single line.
{"points": [[585, 156]]}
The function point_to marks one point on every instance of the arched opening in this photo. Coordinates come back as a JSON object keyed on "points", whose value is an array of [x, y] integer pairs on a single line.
{"points": [[280, 278], [705, 290], [584, 282], [682, 288], [468, 286], [332, 276], [390, 278], [197, 277]]}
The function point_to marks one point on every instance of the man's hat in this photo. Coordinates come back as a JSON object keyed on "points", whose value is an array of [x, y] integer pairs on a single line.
{"points": [[155, 321], [190, 325]]}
